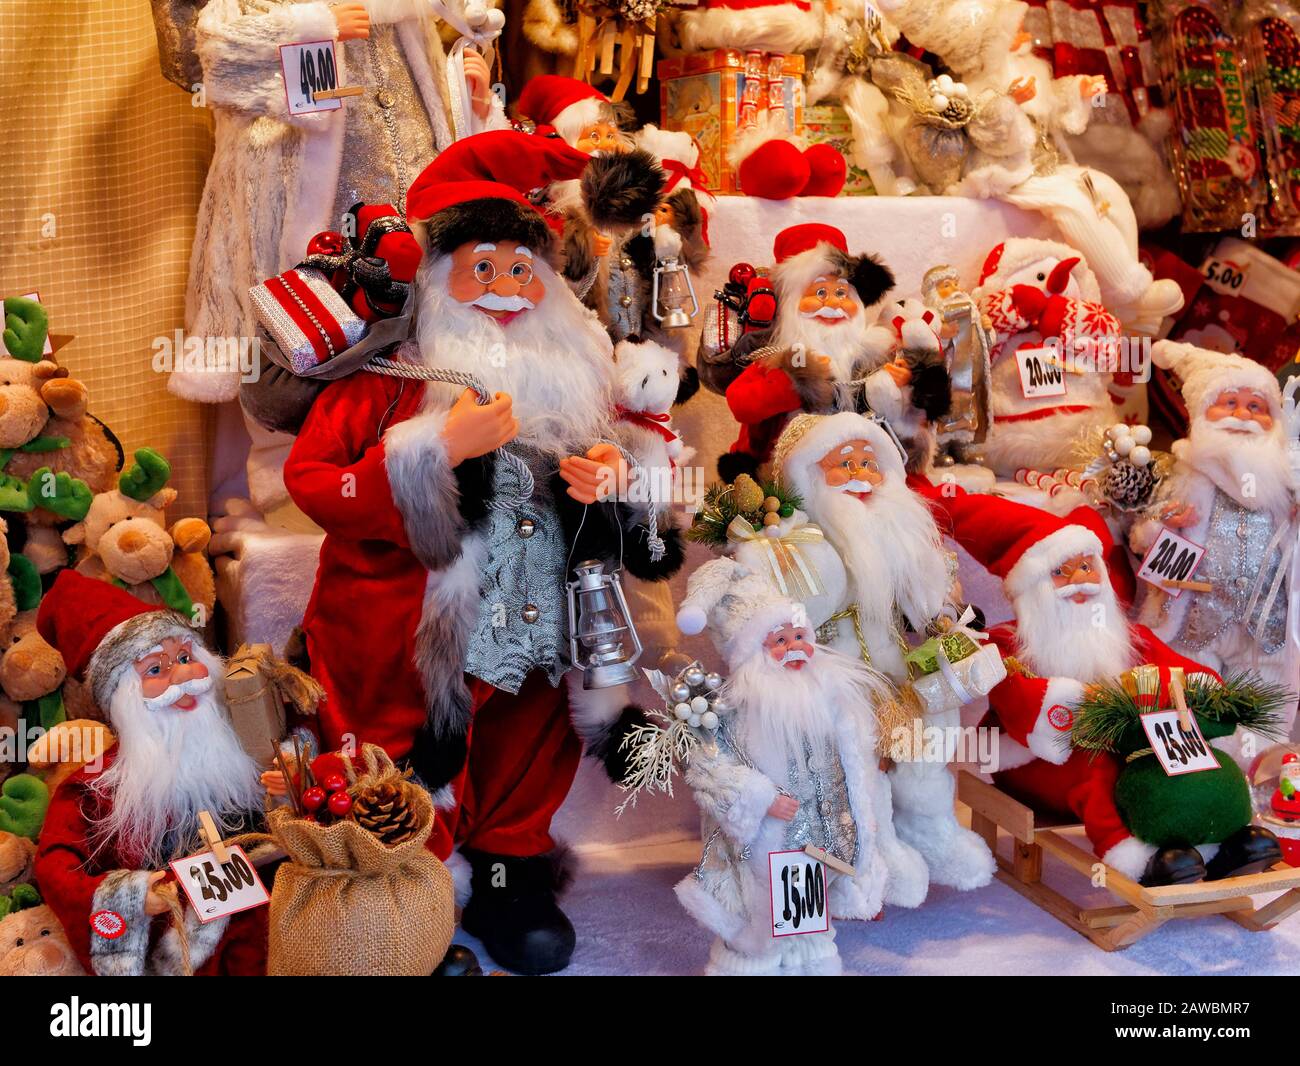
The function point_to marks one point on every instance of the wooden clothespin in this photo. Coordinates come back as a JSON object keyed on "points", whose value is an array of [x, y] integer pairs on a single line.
{"points": [[1180, 701], [824, 856], [1193, 586], [339, 93], [208, 831]]}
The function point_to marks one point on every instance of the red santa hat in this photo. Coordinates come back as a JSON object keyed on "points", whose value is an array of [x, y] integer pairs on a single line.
{"points": [[566, 104], [1204, 374], [810, 249], [101, 630], [753, 25], [1016, 254]]}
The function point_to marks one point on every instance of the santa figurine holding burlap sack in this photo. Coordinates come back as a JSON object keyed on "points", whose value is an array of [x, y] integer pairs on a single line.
{"points": [[114, 825]]}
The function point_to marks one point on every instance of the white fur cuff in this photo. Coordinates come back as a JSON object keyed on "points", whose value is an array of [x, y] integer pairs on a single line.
{"points": [[1050, 737], [744, 815], [1130, 857]]}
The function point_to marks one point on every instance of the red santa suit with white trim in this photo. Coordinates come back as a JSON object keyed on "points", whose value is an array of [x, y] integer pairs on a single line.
{"points": [[437, 624], [1066, 580], [112, 828]]}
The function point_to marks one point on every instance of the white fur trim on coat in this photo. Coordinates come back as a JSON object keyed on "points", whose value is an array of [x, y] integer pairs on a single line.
{"points": [[1045, 740], [1039, 561], [1130, 857], [593, 710]]}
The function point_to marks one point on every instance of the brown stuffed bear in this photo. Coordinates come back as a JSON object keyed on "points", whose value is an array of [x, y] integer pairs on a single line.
{"points": [[33, 943], [16, 857], [124, 539]]}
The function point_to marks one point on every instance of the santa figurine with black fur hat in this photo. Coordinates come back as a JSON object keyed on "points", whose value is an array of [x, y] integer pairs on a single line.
{"points": [[1041, 297], [850, 475], [792, 763], [113, 826], [1233, 492], [824, 340], [450, 525]]}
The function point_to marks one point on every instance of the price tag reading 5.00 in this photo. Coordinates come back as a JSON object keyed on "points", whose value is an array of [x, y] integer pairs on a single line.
{"points": [[1180, 751], [798, 894], [309, 68], [216, 889]]}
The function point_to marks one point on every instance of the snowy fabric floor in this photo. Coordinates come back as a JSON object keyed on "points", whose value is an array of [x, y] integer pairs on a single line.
{"points": [[629, 922]]}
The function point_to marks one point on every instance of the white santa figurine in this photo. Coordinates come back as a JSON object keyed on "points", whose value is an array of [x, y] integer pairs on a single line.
{"points": [[849, 474], [113, 826], [1053, 346], [791, 764], [1232, 492]]}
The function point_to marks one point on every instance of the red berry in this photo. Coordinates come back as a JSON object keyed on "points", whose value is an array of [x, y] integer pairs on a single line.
{"points": [[314, 798], [340, 804], [334, 782]]}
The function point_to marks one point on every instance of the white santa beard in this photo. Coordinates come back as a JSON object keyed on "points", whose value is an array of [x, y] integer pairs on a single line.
{"points": [[1089, 641], [778, 709], [555, 362], [891, 549], [1241, 463], [170, 765], [844, 341]]}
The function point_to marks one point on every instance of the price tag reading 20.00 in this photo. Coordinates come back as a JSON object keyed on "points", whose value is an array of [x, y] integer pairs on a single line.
{"points": [[216, 889], [799, 902], [309, 68], [1171, 558]]}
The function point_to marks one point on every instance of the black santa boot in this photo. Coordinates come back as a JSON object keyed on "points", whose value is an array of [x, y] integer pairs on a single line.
{"points": [[1249, 850], [513, 909], [1174, 866]]}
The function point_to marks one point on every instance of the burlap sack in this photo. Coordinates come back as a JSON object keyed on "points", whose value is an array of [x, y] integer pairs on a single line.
{"points": [[346, 904]]}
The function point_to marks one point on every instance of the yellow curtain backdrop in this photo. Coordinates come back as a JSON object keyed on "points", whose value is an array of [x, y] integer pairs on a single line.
{"points": [[101, 166]]}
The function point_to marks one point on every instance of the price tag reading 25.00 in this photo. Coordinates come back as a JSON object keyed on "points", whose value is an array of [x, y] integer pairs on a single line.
{"points": [[309, 68], [799, 902], [1180, 751], [217, 889]]}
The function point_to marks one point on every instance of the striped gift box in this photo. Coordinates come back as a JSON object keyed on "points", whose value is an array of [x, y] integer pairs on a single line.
{"points": [[306, 317]]}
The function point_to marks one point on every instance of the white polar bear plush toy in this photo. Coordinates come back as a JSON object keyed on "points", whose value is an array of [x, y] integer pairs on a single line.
{"points": [[647, 381]]}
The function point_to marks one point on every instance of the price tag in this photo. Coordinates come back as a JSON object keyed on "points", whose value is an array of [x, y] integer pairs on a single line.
{"points": [[1225, 275], [798, 894], [1171, 558], [49, 347], [309, 67], [1041, 373], [217, 889], [1180, 751]]}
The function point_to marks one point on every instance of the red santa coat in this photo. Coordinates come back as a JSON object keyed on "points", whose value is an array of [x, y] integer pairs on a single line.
{"points": [[78, 884], [1037, 713]]}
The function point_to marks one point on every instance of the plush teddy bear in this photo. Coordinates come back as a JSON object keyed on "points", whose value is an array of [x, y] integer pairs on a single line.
{"points": [[32, 942], [53, 455], [647, 376], [124, 539], [17, 855]]}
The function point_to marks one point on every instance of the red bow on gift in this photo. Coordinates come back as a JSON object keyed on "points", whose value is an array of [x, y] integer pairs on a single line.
{"points": [[1046, 308]]}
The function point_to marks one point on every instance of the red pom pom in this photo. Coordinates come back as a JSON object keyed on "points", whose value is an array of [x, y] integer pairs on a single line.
{"points": [[775, 170], [826, 171]]}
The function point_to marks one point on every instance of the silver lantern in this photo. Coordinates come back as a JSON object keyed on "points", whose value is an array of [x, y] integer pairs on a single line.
{"points": [[671, 289], [602, 639]]}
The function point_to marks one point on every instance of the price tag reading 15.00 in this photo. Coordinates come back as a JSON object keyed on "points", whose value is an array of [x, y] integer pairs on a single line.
{"points": [[216, 889], [1180, 751], [309, 68], [799, 903]]}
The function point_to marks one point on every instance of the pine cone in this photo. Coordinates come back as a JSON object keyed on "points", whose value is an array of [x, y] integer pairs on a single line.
{"points": [[1127, 485], [385, 809], [747, 493]]}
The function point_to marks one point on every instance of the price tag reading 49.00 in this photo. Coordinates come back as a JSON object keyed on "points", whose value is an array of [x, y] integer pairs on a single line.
{"points": [[1171, 558], [1180, 751], [309, 68], [798, 894], [217, 889]]}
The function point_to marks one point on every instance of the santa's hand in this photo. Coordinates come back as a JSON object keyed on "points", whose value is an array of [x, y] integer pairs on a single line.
{"points": [[784, 808], [158, 900], [474, 429], [1022, 90], [600, 244], [597, 476], [478, 79], [899, 371], [353, 21], [1179, 516]]}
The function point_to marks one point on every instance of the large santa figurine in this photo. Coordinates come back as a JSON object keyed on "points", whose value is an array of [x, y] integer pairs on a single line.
{"points": [[1232, 492], [113, 826], [823, 352], [791, 764], [849, 473], [1052, 354], [277, 179], [452, 527]]}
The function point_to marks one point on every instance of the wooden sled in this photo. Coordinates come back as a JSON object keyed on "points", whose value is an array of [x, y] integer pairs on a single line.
{"points": [[1141, 910]]}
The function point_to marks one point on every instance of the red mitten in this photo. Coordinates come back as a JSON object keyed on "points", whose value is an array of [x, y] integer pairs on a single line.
{"points": [[826, 171], [775, 170]]}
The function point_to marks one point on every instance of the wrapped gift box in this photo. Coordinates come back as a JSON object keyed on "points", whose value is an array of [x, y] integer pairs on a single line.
{"points": [[977, 671], [306, 317], [703, 93], [256, 710], [829, 124]]}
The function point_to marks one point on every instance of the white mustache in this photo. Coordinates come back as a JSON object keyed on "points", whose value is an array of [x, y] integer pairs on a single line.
{"points": [[1066, 592], [195, 686], [825, 312], [794, 655], [856, 486], [1244, 425], [492, 302]]}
